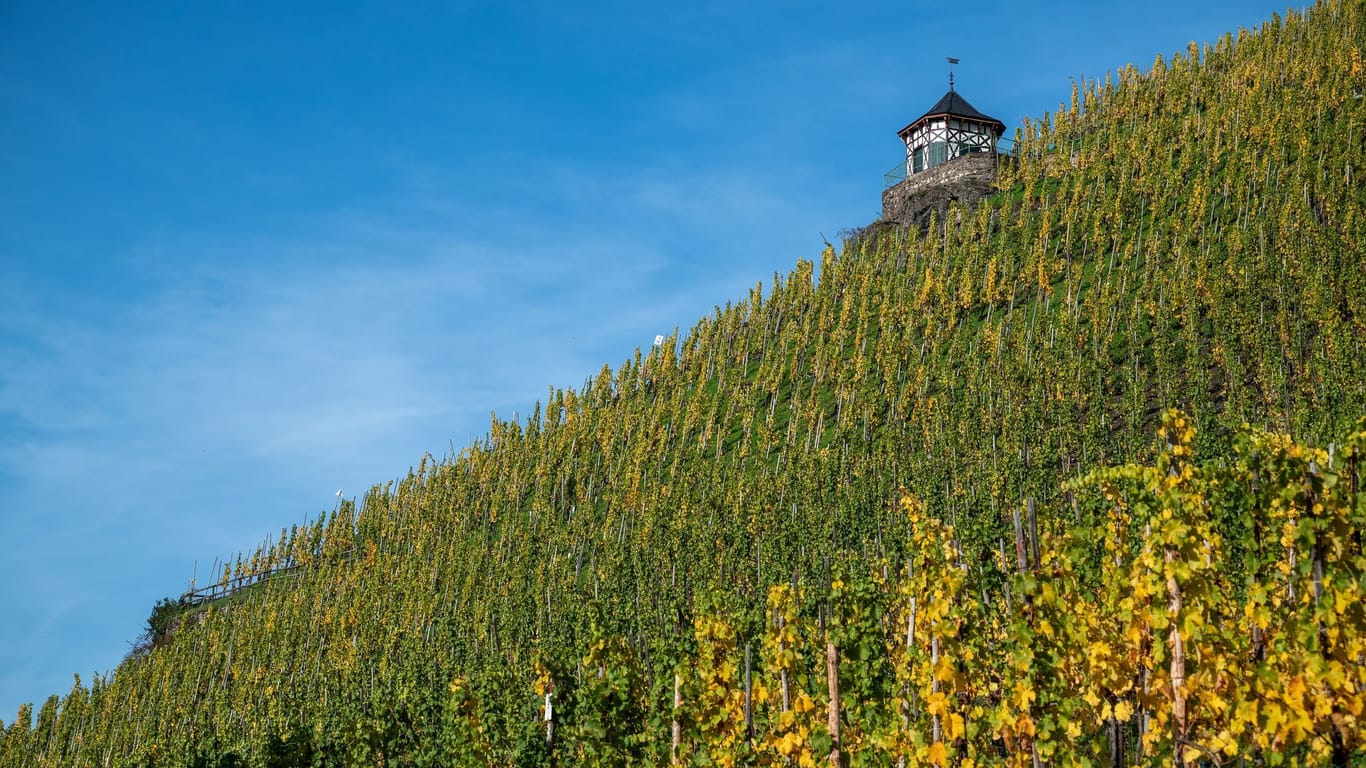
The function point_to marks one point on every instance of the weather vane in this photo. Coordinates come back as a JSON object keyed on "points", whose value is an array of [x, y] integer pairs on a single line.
{"points": [[952, 61]]}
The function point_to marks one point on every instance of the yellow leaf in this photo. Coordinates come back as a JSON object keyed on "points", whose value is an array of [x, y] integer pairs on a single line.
{"points": [[1024, 695], [954, 726], [937, 703]]}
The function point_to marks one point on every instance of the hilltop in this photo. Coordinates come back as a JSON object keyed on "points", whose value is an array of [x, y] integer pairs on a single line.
{"points": [[1186, 237]]}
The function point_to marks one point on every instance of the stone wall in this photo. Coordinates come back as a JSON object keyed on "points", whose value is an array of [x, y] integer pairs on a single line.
{"points": [[964, 180]]}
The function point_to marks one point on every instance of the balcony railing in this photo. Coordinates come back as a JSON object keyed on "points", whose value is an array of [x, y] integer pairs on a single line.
{"points": [[895, 176], [897, 173]]}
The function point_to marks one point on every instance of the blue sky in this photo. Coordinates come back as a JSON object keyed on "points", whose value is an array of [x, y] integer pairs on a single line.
{"points": [[252, 253]]}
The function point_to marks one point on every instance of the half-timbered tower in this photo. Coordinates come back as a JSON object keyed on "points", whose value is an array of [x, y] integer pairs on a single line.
{"points": [[951, 156], [951, 128]]}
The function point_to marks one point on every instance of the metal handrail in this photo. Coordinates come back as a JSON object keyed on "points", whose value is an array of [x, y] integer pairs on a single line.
{"points": [[226, 588], [897, 173], [222, 589], [895, 176]]}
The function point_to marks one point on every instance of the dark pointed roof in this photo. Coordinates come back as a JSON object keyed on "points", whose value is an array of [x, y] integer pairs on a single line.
{"points": [[952, 104]]}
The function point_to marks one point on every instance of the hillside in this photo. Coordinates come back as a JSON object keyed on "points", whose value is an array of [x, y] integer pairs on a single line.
{"points": [[1186, 237]]}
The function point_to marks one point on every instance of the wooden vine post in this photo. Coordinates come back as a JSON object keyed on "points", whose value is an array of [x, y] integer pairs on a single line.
{"points": [[936, 727], [906, 692], [749, 698], [1178, 663], [677, 728], [550, 717], [832, 674], [786, 689], [1176, 644], [1027, 545], [832, 677]]}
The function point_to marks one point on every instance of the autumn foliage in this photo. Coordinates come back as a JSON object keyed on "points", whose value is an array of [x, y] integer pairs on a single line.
{"points": [[712, 540]]}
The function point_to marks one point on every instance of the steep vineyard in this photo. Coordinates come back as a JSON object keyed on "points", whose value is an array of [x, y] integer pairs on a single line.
{"points": [[1189, 237]]}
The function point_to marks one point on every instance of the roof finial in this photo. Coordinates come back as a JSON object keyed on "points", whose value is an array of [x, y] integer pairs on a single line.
{"points": [[952, 61]]}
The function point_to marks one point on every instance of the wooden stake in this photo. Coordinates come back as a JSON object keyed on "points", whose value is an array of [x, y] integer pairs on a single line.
{"points": [[1021, 555], [1033, 533], [550, 717], [936, 734], [1178, 663], [787, 693], [832, 679], [749, 699], [1116, 733], [677, 730], [905, 697]]}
